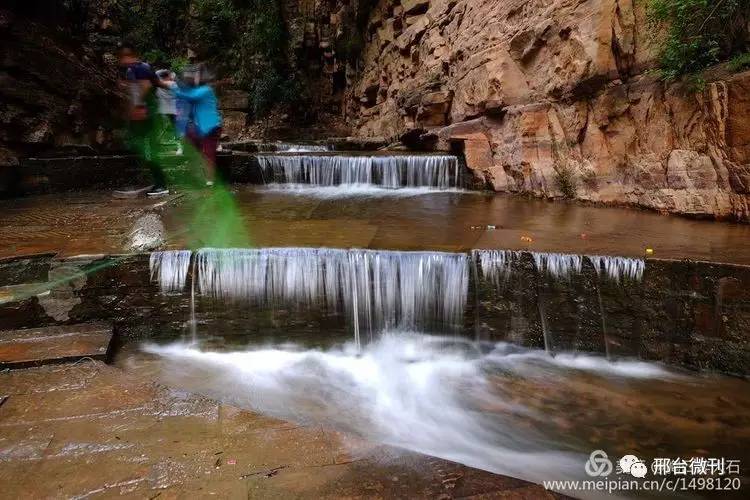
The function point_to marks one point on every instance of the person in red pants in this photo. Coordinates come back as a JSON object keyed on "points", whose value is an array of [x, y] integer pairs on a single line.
{"points": [[205, 130]]}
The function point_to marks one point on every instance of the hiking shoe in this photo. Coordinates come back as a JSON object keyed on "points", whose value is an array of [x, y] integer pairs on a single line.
{"points": [[158, 192]]}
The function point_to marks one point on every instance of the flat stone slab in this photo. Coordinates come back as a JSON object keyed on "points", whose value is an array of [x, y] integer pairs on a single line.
{"points": [[54, 345], [100, 431]]}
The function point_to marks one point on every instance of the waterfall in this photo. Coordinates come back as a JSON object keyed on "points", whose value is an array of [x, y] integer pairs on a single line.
{"points": [[619, 268], [496, 264], [376, 289], [170, 269], [558, 265], [437, 171], [301, 148]]}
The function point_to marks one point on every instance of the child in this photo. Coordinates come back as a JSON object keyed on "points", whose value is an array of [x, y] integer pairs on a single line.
{"points": [[205, 128], [168, 104]]}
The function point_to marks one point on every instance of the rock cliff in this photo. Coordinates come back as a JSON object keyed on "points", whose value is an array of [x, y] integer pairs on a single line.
{"points": [[555, 98], [54, 90]]}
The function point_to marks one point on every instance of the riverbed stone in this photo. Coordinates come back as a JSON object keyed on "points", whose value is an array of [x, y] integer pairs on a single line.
{"points": [[125, 432], [54, 345]]}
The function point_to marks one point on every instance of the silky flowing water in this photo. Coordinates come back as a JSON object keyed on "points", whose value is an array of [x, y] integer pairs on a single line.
{"points": [[398, 369], [392, 172]]}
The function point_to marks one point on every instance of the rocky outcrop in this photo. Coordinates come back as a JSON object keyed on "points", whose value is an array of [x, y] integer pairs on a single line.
{"points": [[53, 91], [234, 105], [553, 98]]}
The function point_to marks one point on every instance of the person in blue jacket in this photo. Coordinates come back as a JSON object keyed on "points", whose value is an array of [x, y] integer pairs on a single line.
{"points": [[204, 130]]}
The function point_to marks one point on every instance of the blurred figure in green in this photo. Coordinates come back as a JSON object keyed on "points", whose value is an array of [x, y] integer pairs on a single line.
{"points": [[139, 81]]}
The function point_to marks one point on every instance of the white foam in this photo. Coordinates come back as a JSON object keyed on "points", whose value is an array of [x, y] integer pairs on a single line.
{"points": [[413, 391], [528, 361], [422, 393]]}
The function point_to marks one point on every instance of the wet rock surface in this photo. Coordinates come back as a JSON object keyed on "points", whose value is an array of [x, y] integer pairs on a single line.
{"points": [[67, 224], [54, 345], [93, 429]]}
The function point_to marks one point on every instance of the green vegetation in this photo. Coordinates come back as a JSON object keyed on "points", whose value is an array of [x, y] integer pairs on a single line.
{"points": [[740, 62], [246, 40], [566, 182], [698, 33], [263, 49], [152, 26]]}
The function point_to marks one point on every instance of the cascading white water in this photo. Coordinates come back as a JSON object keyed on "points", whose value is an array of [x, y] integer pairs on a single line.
{"points": [[377, 289], [446, 397], [170, 269], [496, 264], [301, 148], [619, 268], [558, 265], [405, 171], [435, 395]]}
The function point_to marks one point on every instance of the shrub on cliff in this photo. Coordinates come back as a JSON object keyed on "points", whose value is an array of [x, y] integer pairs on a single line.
{"points": [[698, 33]]}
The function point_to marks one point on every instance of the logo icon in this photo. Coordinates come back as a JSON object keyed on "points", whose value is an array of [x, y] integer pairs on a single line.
{"points": [[598, 464], [630, 464], [639, 469], [627, 462]]}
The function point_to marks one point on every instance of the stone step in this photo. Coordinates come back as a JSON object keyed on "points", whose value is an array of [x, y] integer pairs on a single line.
{"points": [[25, 269], [54, 345]]}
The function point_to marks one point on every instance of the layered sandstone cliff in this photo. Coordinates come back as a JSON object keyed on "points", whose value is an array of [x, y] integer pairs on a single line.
{"points": [[555, 98]]}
